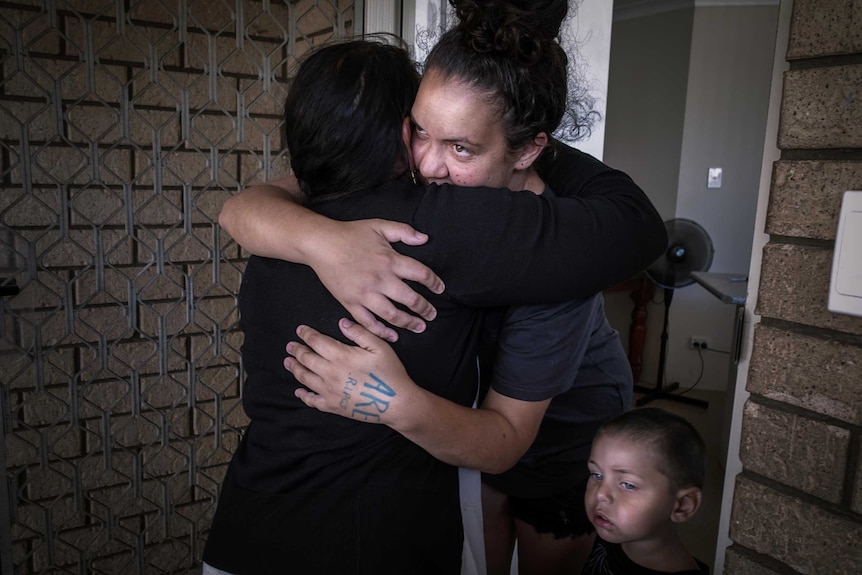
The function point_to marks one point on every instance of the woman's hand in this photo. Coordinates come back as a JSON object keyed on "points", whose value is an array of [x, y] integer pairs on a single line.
{"points": [[366, 382], [366, 275]]}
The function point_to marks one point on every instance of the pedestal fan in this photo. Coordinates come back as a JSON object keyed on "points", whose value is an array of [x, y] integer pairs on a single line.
{"points": [[689, 250]]}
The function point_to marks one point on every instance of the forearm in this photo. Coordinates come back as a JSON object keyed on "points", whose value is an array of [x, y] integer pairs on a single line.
{"points": [[478, 438], [268, 220]]}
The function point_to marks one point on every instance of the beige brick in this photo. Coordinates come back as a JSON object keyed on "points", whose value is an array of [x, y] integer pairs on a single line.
{"points": [[52, 481], [50, 326], [89, 123], [262, 133], [102, 286], [55, 165], [22, 448], [857, 488], [40, 74], [165, 391], [805, 198], [131, 431], [794, 286], [207, 204], [44, 407], [273, 23], [798, 452], [156, 12], [148, 127], [161, 460], [134, 47], [187, 168], [172, 87], [20, 371], [825, 27], [158, 209], [818, 110], [177, 246], [803, 536], [216, 380], [111, 322], [38, 208], [34, 120], [736, 563], [213, 130], [817, 374], [215, 449], [37, 33], [112, 395], [257, 168], [98, 206], [205, 351], [215, 16], [216, 311], [229, 58], [204, 282], [258, 101], [156, 318]]}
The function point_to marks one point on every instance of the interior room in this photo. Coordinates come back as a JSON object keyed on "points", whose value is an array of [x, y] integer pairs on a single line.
{"points": [[125, 126]]}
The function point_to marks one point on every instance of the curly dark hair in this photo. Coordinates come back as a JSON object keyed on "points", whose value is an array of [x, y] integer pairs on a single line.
{"points": [[509, 51]]}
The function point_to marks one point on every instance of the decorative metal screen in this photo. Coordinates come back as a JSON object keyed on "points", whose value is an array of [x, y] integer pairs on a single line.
{"points": [[124, 125]]}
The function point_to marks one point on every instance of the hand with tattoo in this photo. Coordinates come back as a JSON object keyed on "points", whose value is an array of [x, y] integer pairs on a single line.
{"points": [[366, 382]]}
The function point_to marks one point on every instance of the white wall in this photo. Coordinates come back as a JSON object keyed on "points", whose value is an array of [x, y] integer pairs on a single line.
{"points": [[722, 124], [725, 118]]}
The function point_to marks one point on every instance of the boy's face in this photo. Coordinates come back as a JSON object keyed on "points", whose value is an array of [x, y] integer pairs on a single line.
{"points": [[627, 499]]}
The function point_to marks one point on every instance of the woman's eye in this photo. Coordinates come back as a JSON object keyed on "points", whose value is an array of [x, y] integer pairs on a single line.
{"points": [[596, 476]]}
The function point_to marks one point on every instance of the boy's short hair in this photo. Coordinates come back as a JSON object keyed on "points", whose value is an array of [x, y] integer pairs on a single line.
{"points": [[681, 449]]}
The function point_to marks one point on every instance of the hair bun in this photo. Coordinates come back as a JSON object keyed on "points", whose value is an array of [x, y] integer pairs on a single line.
{"points": [[515, 28]]}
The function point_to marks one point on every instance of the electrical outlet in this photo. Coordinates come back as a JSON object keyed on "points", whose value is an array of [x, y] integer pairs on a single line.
{"points": [[698, 342]]}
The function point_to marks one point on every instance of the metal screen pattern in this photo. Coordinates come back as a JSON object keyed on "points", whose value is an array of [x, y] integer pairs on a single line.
{"points": [[124, 125]]}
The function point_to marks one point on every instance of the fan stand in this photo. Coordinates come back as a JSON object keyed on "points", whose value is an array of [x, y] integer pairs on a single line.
{"points": [[659, 391]]}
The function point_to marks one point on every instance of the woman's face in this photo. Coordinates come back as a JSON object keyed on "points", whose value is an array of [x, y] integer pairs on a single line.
{"points": [[458, 138]]}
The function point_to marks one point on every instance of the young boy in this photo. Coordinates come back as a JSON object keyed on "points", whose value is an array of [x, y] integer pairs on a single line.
{"points": [[646, 474]]}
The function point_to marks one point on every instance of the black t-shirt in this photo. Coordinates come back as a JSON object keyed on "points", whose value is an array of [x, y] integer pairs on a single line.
{"points": [[317, 493]]}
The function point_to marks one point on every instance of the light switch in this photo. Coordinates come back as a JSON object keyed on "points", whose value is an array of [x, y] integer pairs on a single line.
{"points": [[845, 288], [713, 178]]}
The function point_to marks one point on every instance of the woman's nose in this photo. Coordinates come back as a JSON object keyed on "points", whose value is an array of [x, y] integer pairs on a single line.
{"points": [[431, 164]]}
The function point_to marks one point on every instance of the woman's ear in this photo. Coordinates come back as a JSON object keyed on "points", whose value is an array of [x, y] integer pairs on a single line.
{"points": [[531, 151], [687, 504]]}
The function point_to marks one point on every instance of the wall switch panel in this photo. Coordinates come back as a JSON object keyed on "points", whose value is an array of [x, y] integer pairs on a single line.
{"points": [[845, 287], [713, 178]]}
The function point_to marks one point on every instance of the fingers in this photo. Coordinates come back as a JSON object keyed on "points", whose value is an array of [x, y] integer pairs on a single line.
{"points": [[400, 232], [409, 269], [367, 318], [359, 335]]}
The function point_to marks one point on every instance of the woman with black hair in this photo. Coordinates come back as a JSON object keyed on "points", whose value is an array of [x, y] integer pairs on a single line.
{"points": [[496, 83], [309, 493]]}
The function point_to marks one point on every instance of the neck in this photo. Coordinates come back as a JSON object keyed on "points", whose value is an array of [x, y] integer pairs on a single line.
{"points": [[529, 180], [661, 552]]}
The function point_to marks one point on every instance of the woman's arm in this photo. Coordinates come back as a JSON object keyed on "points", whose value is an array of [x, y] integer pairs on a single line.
{"points": [[620, 231], [354, 260], [368, 383]]}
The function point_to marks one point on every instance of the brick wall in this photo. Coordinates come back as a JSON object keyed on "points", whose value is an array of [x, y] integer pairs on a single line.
{"points": [[123, 128], [798, 502]]}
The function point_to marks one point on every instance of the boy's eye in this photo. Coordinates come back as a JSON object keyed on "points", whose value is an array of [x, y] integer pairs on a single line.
{"points": [[628, 486], [597, 476]]}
